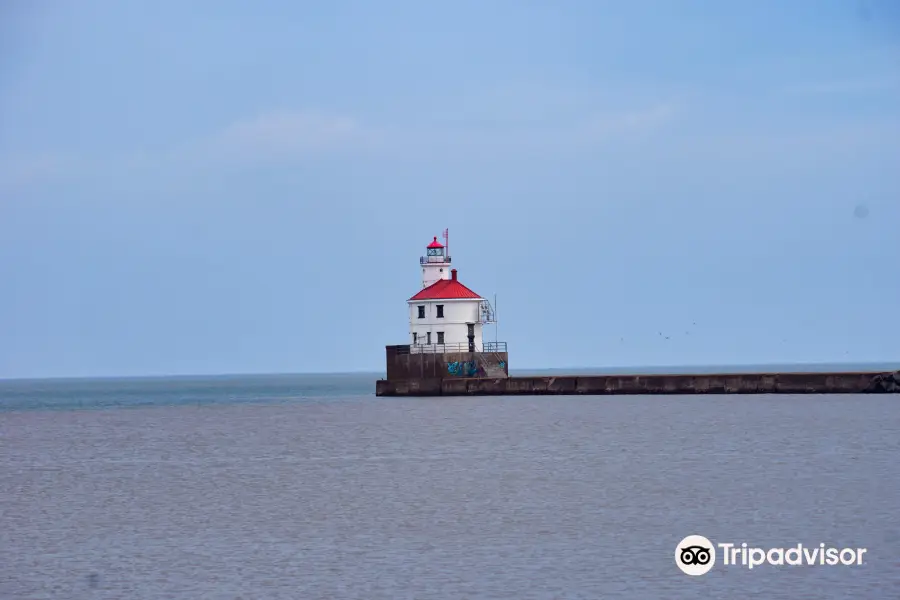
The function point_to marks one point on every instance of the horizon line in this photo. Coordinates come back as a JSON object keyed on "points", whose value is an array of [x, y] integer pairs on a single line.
{"points": [[896, 364]]}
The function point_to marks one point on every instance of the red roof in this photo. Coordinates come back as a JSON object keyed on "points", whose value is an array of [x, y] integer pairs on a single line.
{"points": [[445, 289], [435, 244]]}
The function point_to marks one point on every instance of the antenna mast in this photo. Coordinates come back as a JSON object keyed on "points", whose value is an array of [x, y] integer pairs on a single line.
{"points": [[496, 336], [447, 242]]}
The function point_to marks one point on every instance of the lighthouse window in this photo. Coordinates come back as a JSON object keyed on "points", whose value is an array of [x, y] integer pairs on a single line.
{"points": [[440, 337], [440, 311], [421, 312]]}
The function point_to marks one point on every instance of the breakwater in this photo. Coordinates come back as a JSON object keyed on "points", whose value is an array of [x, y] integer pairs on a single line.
{"points": [[735, 383]]}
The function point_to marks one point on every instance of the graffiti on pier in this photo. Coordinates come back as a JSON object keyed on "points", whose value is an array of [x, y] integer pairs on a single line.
{"points": [[468, 368], [503, 364]]}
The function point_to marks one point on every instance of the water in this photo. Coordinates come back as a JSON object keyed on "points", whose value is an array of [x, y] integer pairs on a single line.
{"points": [[308, 487]]}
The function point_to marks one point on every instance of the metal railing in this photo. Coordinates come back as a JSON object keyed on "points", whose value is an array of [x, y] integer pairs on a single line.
{"points": [[423, 260], [440, 348], [486, 312], [401, 349], [445, 348]]}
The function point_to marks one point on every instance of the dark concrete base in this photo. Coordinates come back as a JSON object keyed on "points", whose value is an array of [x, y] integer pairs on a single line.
{"points": [[403, 365], [739, 383]]}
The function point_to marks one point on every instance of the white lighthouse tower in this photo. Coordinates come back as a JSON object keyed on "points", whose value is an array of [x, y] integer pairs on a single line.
{"points": [[445, 315], [436, 262]]}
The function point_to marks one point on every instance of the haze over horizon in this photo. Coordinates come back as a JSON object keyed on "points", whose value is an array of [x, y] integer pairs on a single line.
{"points": [[224, 187]]}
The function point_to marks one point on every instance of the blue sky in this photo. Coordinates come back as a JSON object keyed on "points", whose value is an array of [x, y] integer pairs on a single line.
{"points": [[214, 187]]}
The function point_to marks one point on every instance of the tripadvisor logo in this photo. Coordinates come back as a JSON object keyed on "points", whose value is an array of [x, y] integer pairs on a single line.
{"points": [[696, 555]]}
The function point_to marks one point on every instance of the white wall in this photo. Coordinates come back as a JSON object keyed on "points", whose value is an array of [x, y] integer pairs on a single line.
{"points": [[432, 272], [457, 314]]}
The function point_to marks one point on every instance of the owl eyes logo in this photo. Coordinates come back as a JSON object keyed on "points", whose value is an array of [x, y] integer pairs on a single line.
{"points": [[695, 555]]}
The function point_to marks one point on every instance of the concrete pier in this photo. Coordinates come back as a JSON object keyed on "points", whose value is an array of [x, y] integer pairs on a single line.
{"points": [[737, 383]]}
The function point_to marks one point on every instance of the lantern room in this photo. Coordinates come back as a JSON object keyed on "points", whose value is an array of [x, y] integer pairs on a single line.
{"points": [[435, 251]]}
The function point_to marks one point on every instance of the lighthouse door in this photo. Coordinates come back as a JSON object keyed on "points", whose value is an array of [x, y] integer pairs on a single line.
{"points": [[471, 334]]}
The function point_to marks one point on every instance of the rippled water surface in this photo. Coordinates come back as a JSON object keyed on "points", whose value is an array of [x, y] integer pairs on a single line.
{"points": [[310, 487]]}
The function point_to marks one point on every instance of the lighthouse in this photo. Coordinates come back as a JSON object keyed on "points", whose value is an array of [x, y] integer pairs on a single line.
{"points": [[446, 333], [445, 315]]}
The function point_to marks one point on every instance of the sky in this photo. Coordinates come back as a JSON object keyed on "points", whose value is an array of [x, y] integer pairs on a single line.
{"points": [[246, 187]]}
